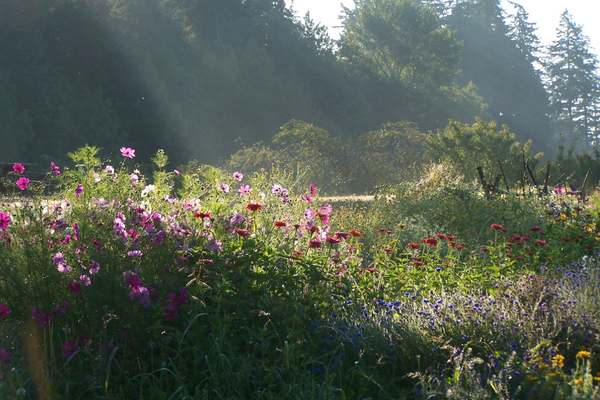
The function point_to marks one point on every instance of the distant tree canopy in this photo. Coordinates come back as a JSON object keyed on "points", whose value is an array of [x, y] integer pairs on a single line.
{"points": [[204, 79]]}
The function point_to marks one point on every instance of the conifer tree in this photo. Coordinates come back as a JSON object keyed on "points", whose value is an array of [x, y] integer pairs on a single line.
{"points": [[573, 84]]}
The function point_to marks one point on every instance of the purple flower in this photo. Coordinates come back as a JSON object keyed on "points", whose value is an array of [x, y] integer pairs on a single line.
{"points": [[224, 187], [79, 190], [22, 183], [237, 176], [313, 190], [4, 221], [18, 168], [127, 152], [134, 253], [134, 178]]}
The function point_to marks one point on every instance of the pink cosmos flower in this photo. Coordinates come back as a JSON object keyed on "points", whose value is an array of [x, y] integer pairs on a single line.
{"points": [[55, 168], [224, 187], [95, 267], [176, 172], [109, 169], [4, 221], [127, 152], [313, 190], [22, 183], [134, 178], [79, 190], [18, 168], [237, 176], [244, 190], [85, 280]]}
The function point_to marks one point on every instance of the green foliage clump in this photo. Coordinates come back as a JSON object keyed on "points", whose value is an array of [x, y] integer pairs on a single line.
{"points": [[467, 147]]}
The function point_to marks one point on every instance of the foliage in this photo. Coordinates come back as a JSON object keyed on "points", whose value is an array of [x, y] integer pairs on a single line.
{"points": [[468, 147]]}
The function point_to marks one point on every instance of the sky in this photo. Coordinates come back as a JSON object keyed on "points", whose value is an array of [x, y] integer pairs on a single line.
{"points": [[544, 13]]}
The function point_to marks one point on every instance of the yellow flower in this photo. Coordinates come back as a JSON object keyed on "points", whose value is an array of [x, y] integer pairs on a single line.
{"points": [[543, 365], [557, 361], [583, 354]]}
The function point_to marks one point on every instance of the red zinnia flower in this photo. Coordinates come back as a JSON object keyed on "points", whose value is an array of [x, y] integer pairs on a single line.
{"points": [[202, 215], [485, 250], [279, 224], [429, 242], [341, 235], [441, 236], [534, 228], [497, 227], [417, 263], [355, 233], [566, 239], [542, 242], [254, 207], [331, 240], [242, 232], [315, 244], [413, 245]]}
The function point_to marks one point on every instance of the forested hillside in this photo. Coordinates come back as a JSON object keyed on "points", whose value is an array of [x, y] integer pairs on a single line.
{"points": [[203, 79]]}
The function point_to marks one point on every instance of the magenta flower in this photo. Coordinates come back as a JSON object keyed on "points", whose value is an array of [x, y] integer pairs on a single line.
{"points": [[276, 189], [79, 190], [74, 286], [22, 183], [313, 190], [4, 221], [4, 356], [134, 253], [18, 168], [224, 187], [237, 176], [127, 152], [69, 348], [4, 310], [176, 172], [55, 168]]}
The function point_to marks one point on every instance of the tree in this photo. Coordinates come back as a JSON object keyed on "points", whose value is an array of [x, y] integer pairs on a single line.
{"points": [[573, 83], [408, 59], [499, 63]]}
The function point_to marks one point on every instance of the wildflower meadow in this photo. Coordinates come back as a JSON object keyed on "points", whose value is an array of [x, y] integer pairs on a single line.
{"points": [[211, 284]]}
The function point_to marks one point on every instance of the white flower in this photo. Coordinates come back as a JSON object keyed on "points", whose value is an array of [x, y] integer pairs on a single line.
{"points": [[147, 190]]}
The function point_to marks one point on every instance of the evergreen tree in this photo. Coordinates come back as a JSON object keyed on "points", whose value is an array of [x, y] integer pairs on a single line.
{"points": [[498, 61], [573, 83]]}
